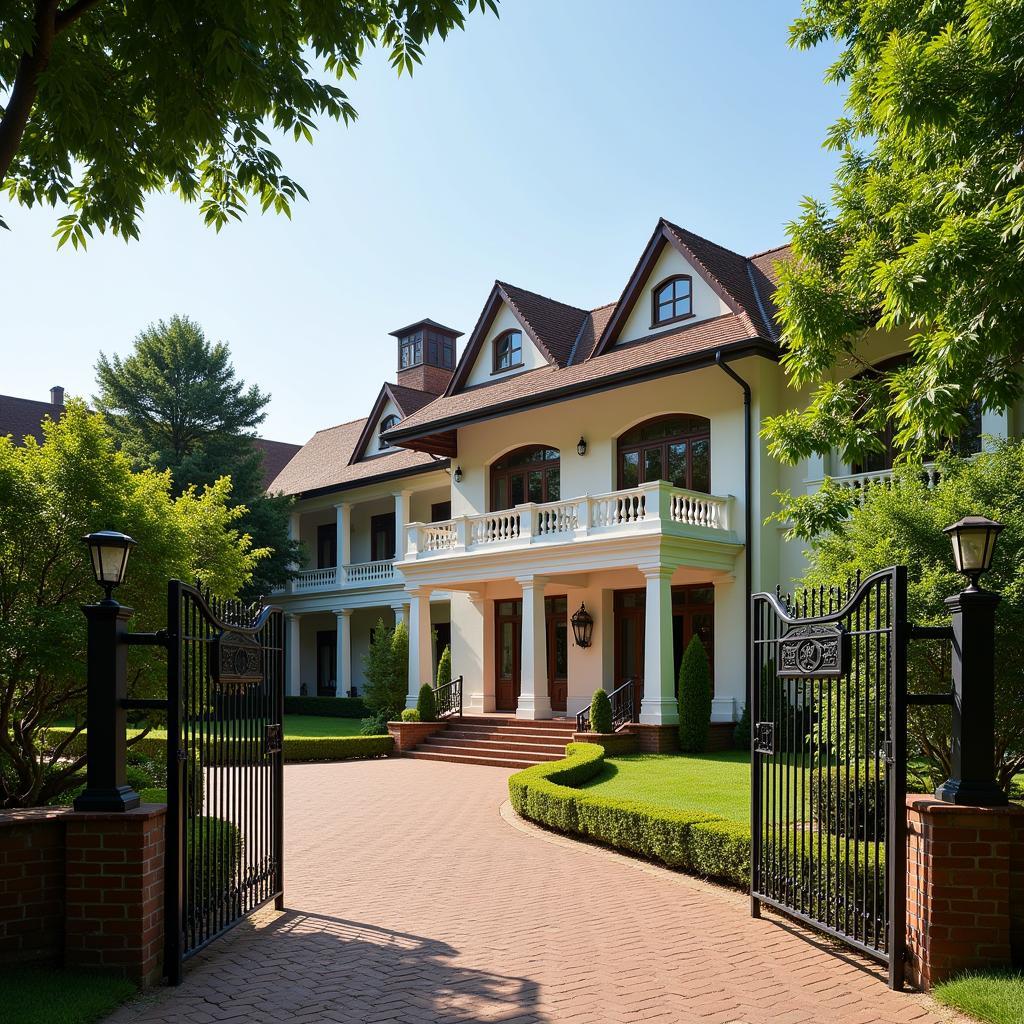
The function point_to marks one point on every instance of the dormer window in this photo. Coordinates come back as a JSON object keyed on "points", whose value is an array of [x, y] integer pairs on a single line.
{"points": [[508, 351], [386, 424], [672, 300]]}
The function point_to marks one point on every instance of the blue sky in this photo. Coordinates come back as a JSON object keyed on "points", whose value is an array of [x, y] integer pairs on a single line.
{"points": [[539, 148]]}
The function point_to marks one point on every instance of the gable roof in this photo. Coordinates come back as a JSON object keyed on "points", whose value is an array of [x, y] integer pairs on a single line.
{"points": [[23, 417], [406, 400], [551, 325], [324, 462], [276, 455]]}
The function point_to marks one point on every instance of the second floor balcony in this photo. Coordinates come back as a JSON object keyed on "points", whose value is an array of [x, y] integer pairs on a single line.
{"points": [[649, 508], [357, 574]]}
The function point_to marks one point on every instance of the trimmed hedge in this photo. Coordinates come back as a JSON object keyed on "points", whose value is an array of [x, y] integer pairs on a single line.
{"points": [[849, 800], [702, 844], [326, 707]]}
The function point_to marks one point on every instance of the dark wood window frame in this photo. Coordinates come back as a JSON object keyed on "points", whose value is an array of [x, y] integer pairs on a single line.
{"points": [[327, 536], [500, 471], [413, 341], [376, 555], [440, 511], [386, 424], [496, 364], [625, 446], [657, 320]]}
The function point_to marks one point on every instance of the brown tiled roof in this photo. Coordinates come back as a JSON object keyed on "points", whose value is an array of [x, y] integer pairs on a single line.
{"points": [[276, 455], [410, 400], [767, 262], [556, 324], [323, 462], [23, 417]]}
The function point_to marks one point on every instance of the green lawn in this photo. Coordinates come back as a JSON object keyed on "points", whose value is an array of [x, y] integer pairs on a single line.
{"points": [[995, 998], [39, 996], [717, 783], [299, 726]]}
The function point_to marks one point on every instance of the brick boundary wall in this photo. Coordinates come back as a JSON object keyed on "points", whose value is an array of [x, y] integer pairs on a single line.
{"points": [[965, 888], [84, 890], [408, 734]]}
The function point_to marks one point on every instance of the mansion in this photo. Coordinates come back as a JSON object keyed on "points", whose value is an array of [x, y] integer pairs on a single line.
{"points": [[602, 459]]}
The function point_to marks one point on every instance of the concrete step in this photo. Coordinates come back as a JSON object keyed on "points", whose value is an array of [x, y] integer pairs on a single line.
{"points": [[518, 736], [539, 723], [554, 750], [495, 762], [469, 748]]}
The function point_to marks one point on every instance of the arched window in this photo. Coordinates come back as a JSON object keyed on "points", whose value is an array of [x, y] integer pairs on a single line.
{"points": [[968, 442], [527, 474], [508, 351], [386, 424], [672, 300], [672, 448]]}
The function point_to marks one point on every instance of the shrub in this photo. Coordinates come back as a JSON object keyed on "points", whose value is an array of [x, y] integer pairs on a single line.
{"points": [[410, 715], [444, 667], [327, 707], [741, 735], [600, 712], [694, 698], [387, 670], [425, 704], [849, 800], [336, 748], [376, 725]]}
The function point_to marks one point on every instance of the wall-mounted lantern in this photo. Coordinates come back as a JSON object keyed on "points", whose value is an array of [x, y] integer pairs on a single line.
{"points": [[109, 551], [582, 626], [458, 475], [581, 446]]}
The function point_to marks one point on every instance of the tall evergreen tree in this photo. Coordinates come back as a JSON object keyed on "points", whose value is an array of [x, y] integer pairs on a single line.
{"points": [[175, 403]]}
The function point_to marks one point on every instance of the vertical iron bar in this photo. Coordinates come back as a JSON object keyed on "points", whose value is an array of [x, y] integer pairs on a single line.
{"points": [[175, 827], [896, 844]]}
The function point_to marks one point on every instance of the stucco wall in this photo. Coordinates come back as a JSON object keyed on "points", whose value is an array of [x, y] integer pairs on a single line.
{"points": [[504, 320]]}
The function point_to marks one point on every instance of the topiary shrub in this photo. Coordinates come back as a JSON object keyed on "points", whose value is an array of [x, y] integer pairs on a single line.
{"points": [[600, 712], [425, 704], [410, 715], [444, 668], [694, 698]]}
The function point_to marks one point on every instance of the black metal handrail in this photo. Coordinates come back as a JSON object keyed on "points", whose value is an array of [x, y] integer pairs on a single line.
{"points": [[623, 708], [448, 699]]}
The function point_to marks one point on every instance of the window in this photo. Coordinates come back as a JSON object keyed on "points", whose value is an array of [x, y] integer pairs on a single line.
{"points": [[440, 349], [382, 537], [672, 300], [508, 351], [672, 448], [440, 511], [327, 545], [386, 424], [527, 474], [410, 350]]}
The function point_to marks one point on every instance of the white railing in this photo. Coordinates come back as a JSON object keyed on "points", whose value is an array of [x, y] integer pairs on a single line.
{"points": [[647, 508], [358, 574], [859, 484]]}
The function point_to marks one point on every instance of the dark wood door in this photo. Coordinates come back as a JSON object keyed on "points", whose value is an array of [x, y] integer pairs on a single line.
{"points": [[508, 635], [326, 662], [629, 641], [556, 613]]}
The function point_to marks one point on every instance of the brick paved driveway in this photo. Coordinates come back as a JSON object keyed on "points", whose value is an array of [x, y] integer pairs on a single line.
{"points": [[413, 900]]}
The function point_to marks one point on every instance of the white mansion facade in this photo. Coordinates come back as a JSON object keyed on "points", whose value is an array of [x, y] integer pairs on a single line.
{"points": [[604, 458]]}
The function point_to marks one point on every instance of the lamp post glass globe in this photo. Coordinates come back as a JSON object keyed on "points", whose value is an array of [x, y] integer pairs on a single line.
{"points": [[582, 626], [974, 543], [109, 551]]}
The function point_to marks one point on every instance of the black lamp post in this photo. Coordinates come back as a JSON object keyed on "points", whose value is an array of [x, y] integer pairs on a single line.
{"points": [[106, 676], [973, 778]]}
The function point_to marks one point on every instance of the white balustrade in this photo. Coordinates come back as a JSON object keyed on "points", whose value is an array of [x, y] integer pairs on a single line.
{"points": [[369, 572], [315, 579], [858, 484], [359, 574], [637, 509]]}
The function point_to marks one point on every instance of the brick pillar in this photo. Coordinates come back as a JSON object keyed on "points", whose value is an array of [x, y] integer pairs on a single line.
{"points": [[965, 888], [115, 892]]}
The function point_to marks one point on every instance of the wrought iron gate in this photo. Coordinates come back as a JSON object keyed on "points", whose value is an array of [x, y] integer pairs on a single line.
{"points": [[828, 766], [225, 689]]}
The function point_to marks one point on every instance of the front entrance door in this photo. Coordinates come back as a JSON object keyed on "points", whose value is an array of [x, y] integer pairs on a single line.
{"points": [[556, 613], [508, 633], [629, 641]]}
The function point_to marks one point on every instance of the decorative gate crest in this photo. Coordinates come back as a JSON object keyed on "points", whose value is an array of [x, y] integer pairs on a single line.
{"points": [[239, 662], [815, 652]]}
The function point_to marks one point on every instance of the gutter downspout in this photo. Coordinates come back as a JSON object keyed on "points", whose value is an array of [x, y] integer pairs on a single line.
{"points": [[748, 508]]}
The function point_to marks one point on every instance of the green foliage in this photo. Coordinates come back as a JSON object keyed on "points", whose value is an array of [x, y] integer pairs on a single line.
{"points": [[741, 735], [411, 715], [376, 724], [51, 495], [444, 667], [213, 849], [327, 707], [600, 712], [903, 525], [338, 748], [38, 995], [425, 703], [387, 670], [849, 800], [695, 692], [174, 403], [924, 233], [996, 997], [116, 117]]}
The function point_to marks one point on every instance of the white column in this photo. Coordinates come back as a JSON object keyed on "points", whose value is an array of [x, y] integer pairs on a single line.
{"points": [[293, 535], [658, 706], [344, 544], [534, 701], [343, 677], [401, 613], [402, 517], [294, 646], [421, 655]]}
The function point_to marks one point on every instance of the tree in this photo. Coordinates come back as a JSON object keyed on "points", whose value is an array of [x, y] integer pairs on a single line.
{"points": [[51, 495], [695, 694], [176, 404], [903, 525], [386, 665], [108, 102], [924, 235], [444, 667]]}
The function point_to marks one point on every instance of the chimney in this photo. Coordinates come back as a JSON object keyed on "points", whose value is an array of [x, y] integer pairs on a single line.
{"points": [[57, 397], [426, 356]]}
